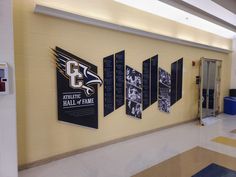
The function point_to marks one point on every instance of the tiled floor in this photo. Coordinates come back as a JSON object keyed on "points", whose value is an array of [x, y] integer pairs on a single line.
{"points": [[189, 163], [133, 156]]}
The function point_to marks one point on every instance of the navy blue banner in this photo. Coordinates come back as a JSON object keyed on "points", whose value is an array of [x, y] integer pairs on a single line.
{"points": [[108, 78], [154, 66], [77, 96], [174, 68], [176, 81], [180, 79], [120, 78], [146, 83]]}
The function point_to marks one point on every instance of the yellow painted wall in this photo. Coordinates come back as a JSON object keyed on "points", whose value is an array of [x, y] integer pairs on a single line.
{"points": [[40, 135]]}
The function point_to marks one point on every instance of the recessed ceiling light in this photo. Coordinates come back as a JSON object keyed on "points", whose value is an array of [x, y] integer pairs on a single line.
{"points": [[164, 10]]}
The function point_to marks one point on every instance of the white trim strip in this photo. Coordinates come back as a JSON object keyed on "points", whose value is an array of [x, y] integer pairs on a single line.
{"points": [[91, 21]]}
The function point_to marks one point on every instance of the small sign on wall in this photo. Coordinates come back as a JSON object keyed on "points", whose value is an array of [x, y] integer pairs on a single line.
{"points": [[4, 82], [77, 82]]}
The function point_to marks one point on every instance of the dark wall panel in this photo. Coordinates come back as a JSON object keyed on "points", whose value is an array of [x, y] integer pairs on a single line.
{"points": [[146, 83], [77, 102], [174, 82], [179, 79], [154, 76], [119, 78], [108, 78]]}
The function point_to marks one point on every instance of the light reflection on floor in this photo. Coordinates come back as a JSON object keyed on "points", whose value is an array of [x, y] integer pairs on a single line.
{"points": [[133, 156]]}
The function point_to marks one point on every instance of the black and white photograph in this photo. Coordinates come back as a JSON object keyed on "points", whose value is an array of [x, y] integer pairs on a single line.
{"points": [[133, 109], [164, 77], [164, 91], [133, 92], [133, 77]]}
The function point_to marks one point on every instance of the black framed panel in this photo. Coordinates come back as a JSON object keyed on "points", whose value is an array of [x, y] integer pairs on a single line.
{"points": [[108, 87], [77, 97], [179, 79], [146, 83], [154, 76], [174, 68], [119, 79], [176, 81]]}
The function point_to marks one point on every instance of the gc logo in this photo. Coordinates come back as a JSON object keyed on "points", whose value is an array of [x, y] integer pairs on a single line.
{"points": [[76, 77], [77, 73]]}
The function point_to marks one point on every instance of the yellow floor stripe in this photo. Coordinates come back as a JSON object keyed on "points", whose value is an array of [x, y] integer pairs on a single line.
{"points": [[188, 163], [225, 141], [233, 131]]}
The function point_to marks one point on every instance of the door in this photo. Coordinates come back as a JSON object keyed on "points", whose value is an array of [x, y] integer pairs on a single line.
{"points": [[209, 88]]}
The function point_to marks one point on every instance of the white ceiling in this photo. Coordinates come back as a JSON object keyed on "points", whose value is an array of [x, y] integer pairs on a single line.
{"points": [[113, 15], [217, 9], [228, 4], [191, 16]]}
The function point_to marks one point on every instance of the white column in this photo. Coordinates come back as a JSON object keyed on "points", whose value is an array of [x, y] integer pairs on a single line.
{"points": [[233, 67], [8, 145]]}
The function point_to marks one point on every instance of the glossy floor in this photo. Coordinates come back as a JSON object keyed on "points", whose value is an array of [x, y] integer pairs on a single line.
{"points": [[189, 163], [130, 157]]}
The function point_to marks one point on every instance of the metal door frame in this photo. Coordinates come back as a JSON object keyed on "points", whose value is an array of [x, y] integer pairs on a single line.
{"points": [[216, 88]]}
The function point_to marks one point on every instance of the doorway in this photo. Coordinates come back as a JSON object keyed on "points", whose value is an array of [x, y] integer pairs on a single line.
{"points": [[210, 74]]}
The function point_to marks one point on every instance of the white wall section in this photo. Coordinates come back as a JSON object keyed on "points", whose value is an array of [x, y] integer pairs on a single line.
{"points": [[8, 152]]}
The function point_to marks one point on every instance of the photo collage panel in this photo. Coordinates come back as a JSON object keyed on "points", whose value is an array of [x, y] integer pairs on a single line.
{"points": [[164, 91], [133, 92]]}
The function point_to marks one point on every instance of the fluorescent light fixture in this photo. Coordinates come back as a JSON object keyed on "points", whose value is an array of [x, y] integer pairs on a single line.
{"points": [[164, 10]]}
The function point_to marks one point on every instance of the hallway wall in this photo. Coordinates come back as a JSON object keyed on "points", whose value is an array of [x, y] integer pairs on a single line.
{"points": [[40, 134]]}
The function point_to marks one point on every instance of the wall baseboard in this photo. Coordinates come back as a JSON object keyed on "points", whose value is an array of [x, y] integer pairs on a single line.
{"points": [[93, 147]]}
